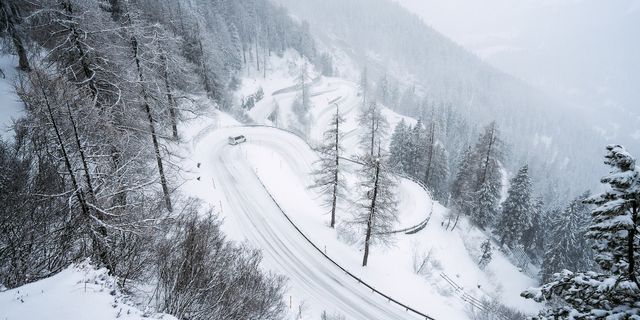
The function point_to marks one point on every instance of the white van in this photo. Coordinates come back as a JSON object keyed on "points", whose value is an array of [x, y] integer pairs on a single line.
{"points": [[237, 140]]}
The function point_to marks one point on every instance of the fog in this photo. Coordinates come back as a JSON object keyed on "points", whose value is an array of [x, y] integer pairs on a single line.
{"points": [[585, 51]]}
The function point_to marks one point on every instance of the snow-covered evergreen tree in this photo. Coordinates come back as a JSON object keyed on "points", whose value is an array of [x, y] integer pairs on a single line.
{"points": [[462, 188], [439, 173], [532, 238], [398, 146], [567, 246], [486, 254], [517, 210], [617, 218], [328, 175], [417, 149], [485, 210], [613, 291], [479, 166]]}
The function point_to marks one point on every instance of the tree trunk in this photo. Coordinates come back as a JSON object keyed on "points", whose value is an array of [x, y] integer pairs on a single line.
{"points": [[83, 159], [486, 161], [23, 61], [631, 249], [373, 131], [172, 103], [456, 222], [99, 246], [264, 63], [335, 176], [10, 14], [152, 129], [257, 55], [86, 68], [430, 154], [207, 85], [102, 230], [116, 10], [372, 211], [67, 162]]}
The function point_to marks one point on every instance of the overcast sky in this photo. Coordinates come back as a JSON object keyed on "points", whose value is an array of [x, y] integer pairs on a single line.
{"points": [[587, 51]]}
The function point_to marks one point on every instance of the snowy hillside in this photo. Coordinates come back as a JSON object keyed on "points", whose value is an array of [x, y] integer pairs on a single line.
{"points": [[298, 160], [80, 292], [257, 183]]}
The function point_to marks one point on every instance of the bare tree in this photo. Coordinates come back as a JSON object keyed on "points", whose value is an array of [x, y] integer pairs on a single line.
{"points": [[137, 30], [328, 176], [378, 205], [374, 127], [203, 276]]}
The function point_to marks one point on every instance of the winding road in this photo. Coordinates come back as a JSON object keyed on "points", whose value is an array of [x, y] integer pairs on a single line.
{"points": [[248, 206]]}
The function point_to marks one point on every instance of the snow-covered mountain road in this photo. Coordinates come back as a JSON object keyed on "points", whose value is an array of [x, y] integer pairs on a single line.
{"points": [[254, 183], [249, 208]]}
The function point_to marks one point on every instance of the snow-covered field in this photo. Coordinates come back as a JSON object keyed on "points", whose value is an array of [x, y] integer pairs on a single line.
{"points": [[79, 292]]}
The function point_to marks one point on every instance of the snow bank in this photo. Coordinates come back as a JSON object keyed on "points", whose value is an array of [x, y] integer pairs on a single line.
{"points": [[78, 292]]}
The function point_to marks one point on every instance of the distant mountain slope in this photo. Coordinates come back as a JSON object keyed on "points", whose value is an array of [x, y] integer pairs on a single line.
{"points": [[554, 137]]}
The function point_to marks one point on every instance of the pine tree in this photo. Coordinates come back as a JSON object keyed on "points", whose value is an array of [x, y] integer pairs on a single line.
{"points": [[532, 237], [613, 291], [478, 167], [485, 211], [378, 205], [516, 210], [462, 188], [486, 254], [328, 176], [430, 146], [490, 152], [416, 152], [567, 246], [439, 173], [398, 146], [616, 219]]}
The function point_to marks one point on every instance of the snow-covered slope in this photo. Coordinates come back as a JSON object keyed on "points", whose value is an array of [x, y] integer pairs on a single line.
{"points": [[254, 183], [79, 292]]}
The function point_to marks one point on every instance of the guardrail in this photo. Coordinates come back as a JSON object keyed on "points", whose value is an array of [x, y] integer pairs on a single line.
{"points": [[409, 230], [296, 87], [463, 294], [389, 299]]}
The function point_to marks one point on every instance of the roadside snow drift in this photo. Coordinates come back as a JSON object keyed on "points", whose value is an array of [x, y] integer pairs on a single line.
{"points": [[79, 292]]}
